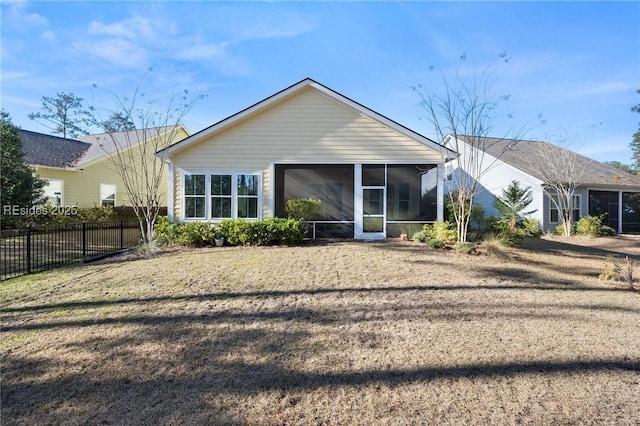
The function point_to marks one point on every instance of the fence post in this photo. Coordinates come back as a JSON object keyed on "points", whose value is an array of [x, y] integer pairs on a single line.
{"points": [[121, 234], [84, 239], [29, 249]]}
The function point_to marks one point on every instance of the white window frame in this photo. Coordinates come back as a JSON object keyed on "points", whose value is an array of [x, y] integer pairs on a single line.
{"points": [[234, 195], [185, 196], [103, 192], [59, 196], [574, 207]]}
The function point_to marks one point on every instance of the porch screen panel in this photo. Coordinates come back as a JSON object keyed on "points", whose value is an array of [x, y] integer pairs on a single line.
{"points": [[331, 184], [631, 212], [412, 192], [604, 203]]}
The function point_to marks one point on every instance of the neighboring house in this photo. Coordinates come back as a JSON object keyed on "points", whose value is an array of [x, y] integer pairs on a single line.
{"points": [[81, 172], [602, 189], [373, 176]]}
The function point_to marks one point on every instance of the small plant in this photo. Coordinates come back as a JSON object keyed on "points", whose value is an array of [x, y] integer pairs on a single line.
{"points": [[435, 243], [589, 225], [607, 231], [465, 248], [147, 250], [420, 236], [621, 272], [495, 249], [442, 231], [512, 237], [560, 229]]}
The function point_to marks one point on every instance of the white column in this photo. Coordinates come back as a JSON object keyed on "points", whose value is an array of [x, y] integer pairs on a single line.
{"points": [[620, 207], [357, 201], [440, 192], [170, 191]]}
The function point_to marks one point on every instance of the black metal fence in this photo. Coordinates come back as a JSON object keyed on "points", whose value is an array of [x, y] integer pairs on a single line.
{"points": [[39, 248]]}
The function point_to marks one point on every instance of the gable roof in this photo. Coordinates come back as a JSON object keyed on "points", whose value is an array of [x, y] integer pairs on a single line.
{"points": [[291, 91], [51, 151], [517, 153]]}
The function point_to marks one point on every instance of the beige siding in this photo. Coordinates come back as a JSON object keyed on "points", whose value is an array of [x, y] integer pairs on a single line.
{"points": [[308, 127], [82, 189]]}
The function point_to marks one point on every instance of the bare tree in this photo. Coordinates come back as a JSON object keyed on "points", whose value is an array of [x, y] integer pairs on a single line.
{"points": [[463, 116], [561, 171], [136, 153]]}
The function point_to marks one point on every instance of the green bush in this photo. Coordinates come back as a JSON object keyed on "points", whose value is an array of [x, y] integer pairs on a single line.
{"points": [[435, 243], [235, 232], [512, 237], [466, 248], [607, 230], [167, 232], [531, 227], [198, 234], [303, 208], [443, 231], [420, 236], [589, 225], [560, 229]]}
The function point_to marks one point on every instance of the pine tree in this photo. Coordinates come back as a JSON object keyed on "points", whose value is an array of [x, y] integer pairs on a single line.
{"points": [[513, 203]]}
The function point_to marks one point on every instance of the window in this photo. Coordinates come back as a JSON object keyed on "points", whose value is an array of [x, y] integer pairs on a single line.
{"points": [[221, 196], [194, 196], [107, 195], [247, 196], [53, 192], [554, 215]]}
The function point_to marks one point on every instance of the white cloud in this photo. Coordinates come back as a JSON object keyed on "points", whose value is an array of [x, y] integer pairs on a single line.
{"points": [[202, 51], [132, 29], [17, 15], [115, 51]]}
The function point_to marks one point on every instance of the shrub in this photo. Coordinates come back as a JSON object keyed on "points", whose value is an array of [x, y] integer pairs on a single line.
{"points": [[235, 232], [495, 249], [420, 236], [166, 232], [619, 271], [607, 230], [512, 237], [466, 248], [435, 243], [303, 208], [197, 234], [442, 231], [560, 229], [531, 227], [589, 225]]}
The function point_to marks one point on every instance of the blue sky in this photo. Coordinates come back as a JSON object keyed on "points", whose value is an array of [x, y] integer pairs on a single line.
{"points": [[576, 63]]}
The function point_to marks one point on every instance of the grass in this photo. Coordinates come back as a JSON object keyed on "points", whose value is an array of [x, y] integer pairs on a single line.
{"points": [[328, 333]]}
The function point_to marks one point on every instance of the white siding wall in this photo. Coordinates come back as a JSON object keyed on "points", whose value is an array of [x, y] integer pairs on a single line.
{"points": [[496, 176], [308, 127]]}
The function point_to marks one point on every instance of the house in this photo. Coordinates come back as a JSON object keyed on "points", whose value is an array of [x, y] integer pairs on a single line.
{"points": [[373, 176], [601, 189], [81, 172]]}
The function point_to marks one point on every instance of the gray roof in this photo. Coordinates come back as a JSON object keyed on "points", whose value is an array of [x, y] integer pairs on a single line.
{"points": [[519, 154], [107, 143], [51, 151]]}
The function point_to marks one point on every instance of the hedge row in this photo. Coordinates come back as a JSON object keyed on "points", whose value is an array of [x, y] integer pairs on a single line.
{"points": [[266, 232]]}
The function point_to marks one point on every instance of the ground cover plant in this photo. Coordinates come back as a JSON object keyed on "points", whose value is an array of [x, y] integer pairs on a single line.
{"points": [[327, 333]]}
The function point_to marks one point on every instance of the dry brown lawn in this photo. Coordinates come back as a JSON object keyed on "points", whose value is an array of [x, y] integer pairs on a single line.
{"points": [[330, 333]]}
